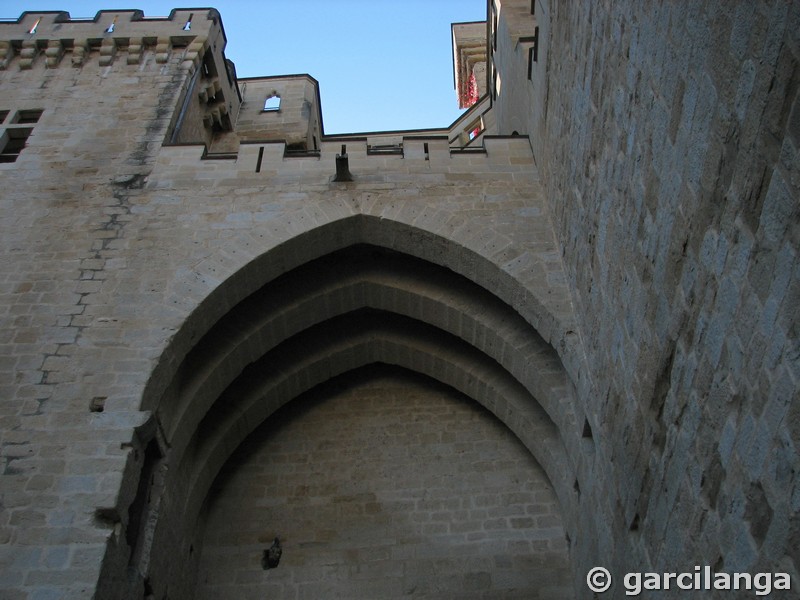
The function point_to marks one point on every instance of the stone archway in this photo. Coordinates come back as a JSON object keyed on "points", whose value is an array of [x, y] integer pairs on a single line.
{"points": [[314, 312], [383, 484]]}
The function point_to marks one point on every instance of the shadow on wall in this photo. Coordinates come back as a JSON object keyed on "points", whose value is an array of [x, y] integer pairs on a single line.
{"points": [[390, 483], [322, 306]]}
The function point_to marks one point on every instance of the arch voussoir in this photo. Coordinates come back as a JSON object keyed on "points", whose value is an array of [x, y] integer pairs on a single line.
{"points": [[338, 347]]}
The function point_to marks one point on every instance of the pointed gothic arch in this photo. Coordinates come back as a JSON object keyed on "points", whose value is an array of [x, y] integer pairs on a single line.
{"points": [[333, 300]]}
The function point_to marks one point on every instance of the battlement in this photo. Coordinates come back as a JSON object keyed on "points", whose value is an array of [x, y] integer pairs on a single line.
{"points": [[190, 42], [379, 159], [54, 35], [210, 307]]}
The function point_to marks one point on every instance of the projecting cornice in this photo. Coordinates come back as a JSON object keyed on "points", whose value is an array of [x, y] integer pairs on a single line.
{"points": [[469, 61], [50, 36]]}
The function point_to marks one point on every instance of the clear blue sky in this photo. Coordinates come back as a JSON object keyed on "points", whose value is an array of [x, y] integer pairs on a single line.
{"points": [[381, 64]]}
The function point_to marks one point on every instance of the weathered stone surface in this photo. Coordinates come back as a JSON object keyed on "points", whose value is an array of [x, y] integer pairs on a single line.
{"points": [[617, 285], [661, 157], [384, 487]]}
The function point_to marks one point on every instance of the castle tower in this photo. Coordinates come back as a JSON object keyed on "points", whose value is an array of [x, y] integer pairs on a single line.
{"points": [[472, 361]]}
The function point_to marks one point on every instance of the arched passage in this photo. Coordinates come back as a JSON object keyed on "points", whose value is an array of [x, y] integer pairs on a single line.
{"points": [[328, 305], [383, 484]]}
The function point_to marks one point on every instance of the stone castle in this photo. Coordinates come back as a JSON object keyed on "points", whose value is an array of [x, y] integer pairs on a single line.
{"points": [[468, 362]]}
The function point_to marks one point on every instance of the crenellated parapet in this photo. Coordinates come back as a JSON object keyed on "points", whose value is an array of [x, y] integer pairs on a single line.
{"points": [[112, 36], [190, 40]]}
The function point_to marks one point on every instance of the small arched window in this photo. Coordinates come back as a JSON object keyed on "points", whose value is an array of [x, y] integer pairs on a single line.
{"points": [[272, 103]]}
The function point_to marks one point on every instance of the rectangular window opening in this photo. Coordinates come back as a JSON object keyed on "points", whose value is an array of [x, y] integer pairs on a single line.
{"points": [[12, 142], [378, 149], [28, 116], [296, 148], [3, 115], [474, 130]]}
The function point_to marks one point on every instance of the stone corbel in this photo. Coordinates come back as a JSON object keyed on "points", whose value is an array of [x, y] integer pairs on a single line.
{"points": [[28, 54], [135, 51], [80, 50], [163, 48], [6, 54], [218, 115], [209, 90], [54, 53], [108, 50], [194, 52]]}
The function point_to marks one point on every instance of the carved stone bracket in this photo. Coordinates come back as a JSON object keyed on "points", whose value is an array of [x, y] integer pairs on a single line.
{"points": [[54, 53], [6, 53], [163, 49], [209, 90], [194, 52], [135, 48], [80, 50], [27, 54], [108, 50]]}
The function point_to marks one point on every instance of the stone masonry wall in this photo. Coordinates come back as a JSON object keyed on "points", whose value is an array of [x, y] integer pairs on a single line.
{"points": [[69, 405], [118, 246], [672, 174], [384, 486], [217, 218], [297, 119], [668, 149]]}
